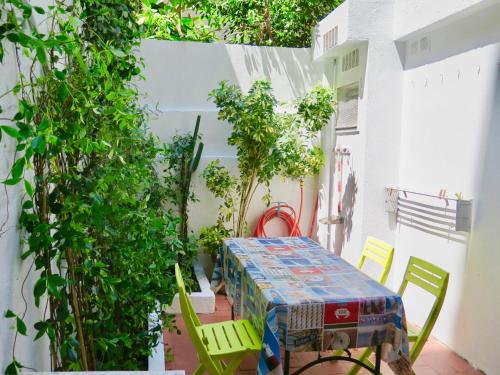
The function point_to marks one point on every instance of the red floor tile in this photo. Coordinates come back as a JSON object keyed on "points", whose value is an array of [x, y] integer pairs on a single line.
{"points": [[435, 359]]}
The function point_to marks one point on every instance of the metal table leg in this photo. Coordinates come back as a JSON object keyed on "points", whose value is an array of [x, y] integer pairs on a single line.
{"points": [[374, 370], [287, 362], [378, 357]]}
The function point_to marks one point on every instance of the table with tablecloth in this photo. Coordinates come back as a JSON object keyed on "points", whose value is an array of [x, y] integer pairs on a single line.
{"points": [[304, 298]]}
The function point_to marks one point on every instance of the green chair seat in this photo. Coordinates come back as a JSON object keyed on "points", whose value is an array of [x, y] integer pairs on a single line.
{"points": [[230, 337], [220, 346]]}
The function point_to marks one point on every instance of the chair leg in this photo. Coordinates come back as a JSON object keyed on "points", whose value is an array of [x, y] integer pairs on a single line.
{"points": [[363, 358], [200, 370], [233, 364]]}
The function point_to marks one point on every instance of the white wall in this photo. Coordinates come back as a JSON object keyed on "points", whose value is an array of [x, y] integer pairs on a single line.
{"points": [[178, 78], [449, 136], [429, 121], [12, 270], [413, 15], [374, 144]]}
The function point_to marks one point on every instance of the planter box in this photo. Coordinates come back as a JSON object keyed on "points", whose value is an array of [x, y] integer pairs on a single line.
{"points": [[203, 301]]}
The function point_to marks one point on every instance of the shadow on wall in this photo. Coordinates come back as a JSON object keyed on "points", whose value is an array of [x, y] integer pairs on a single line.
{"points": [[429, 218], [477, 329], [343, 231], [292, 63]]}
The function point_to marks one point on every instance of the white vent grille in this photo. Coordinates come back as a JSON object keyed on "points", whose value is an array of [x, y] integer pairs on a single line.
{"points": [[351, 60], [425, 44], [330, 39], [347, 106], [419, 46]]}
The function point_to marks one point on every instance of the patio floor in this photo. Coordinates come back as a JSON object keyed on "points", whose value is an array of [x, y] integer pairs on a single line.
{"points": [[435, 359]]}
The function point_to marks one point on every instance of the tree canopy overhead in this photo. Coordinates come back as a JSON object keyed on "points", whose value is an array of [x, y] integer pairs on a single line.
{"points": [[285, 23]]}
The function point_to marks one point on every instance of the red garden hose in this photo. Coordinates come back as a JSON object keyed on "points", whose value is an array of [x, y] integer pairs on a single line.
{"points": [[312, 226], [284, 212]]}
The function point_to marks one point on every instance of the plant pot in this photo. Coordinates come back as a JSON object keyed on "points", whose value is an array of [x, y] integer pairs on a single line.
{"points": [[203, 301], [208, 262]]}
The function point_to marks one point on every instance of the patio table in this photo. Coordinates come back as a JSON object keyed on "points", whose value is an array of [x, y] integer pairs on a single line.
{"points": [[302, 297]]}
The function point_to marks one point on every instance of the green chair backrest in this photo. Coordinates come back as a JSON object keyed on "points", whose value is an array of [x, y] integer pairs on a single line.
{"points": [[433, 280], [380, 252], [191, 320]]}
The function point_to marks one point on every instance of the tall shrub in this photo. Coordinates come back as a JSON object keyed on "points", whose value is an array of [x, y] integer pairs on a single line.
{"points": [[268, 143], [96, 231]]}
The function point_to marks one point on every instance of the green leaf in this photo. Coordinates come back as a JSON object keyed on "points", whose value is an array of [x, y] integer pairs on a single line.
{"points": [[13, 37], [11, 369], [10, 314], [41, 327], [11, 131], [117, 52], [27, 205], [21, 327], [39, 10], [38, 144], [60, 75], [11, 181], [18, 168], [63, 92], [40, 55], [53, 282], [39, 289], [72, 356], [28, 187]]}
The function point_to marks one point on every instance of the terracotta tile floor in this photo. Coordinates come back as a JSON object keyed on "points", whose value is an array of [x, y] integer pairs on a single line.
{"points": [[435, 359]]}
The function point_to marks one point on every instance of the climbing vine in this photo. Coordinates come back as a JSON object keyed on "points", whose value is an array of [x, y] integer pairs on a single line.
{"points": [[102, 245]]}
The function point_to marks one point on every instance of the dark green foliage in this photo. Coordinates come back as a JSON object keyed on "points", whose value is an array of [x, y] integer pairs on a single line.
{"points": [[102, 243], [179, 20], [285, 23]]}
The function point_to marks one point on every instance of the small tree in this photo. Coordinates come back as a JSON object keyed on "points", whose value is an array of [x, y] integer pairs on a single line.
{"points": [[269, 143]]}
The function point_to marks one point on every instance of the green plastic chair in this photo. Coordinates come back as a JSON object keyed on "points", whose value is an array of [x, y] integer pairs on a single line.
{"points": [[379, 252], [433, 280], [220, 346]]}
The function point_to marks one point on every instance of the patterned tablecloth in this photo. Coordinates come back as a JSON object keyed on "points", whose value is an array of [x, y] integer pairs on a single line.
{"points": [[303, 297]]}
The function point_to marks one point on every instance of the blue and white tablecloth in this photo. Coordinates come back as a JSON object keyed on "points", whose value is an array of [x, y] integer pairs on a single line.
{"points": [[303, 298]]}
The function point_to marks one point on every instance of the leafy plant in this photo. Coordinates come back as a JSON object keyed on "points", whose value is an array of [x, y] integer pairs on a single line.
{"points": [[226, 187], [211, 237], [102, 245], [285, 23], [178, 20], [182, 159], [268, 143]]}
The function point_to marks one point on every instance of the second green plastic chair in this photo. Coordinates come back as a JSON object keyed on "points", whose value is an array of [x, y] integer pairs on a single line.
{"points": [[220, 346], [432, 279], [379, 252]]}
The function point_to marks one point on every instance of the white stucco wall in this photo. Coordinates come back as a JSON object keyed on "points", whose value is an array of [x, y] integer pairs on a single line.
{"points": [[428, 121], [413, 15], [178, 78], [12, 270], [374, 144], [449, 135]]}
